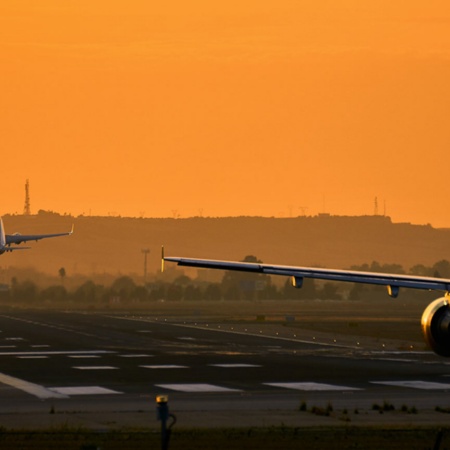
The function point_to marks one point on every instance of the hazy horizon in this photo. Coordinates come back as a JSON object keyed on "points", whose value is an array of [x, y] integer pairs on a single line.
{"points": [[204, 216]]}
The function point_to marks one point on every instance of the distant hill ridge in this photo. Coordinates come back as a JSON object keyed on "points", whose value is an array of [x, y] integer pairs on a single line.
{"points": [[115, 244]]}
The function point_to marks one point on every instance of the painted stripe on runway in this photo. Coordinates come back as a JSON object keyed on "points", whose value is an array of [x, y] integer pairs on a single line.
{"points": [[83, 356], [199, 387], [137, 356], [232, 366], [84, 390], [415, 384], [166, 366], [30, 388], [312, 386], [74, 352], [95, 367], [32, 357]]}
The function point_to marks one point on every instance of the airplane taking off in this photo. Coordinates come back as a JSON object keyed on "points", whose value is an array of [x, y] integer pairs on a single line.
{"points": [[7, 239], [435, 319]]}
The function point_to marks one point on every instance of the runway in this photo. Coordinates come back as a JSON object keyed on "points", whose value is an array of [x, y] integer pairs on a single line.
{"points": [[93, 367]]}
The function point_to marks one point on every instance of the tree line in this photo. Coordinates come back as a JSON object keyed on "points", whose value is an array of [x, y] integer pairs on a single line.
{"points": [[233, 286]]}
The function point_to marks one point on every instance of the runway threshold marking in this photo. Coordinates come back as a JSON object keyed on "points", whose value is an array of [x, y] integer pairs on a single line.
{"points": [[233, 366], [34, 389], [95, 367], [415, 384], [84, 390], [197, 387], [166, 366], [306, 386]]}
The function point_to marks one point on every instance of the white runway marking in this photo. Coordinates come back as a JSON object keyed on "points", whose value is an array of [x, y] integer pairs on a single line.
{"points": [[83, 356], [167, 366], [137, 356], [84, 390], [14, 339], [40, 346], [312, 386], [31, 388], [232, 366], [75, 352], [32, 357], [95, 367], [415, 384], [196, 388]]}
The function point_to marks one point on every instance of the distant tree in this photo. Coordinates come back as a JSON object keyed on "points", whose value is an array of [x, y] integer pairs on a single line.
{"points": [[157, 291], [182, 280], [192, 292], [330, 292], [174, 292], [213, 291], [26, 291], [421, 270], [441, 269], [54, 294], [242, 285], [62, 274], [124, 287], [88, 292], [141, 293]]}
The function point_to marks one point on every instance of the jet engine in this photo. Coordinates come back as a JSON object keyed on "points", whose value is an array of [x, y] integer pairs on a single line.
{"points": [[436, 326], [17, 242]]}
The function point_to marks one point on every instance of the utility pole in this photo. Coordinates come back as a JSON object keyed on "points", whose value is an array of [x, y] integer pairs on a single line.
{"points": [[145, 251]]}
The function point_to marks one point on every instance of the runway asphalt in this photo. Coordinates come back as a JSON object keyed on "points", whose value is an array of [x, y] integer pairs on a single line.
{"points": [[104, 370]]}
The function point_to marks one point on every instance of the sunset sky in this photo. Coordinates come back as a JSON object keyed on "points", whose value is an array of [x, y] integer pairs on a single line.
{"points": [[267, 107]]}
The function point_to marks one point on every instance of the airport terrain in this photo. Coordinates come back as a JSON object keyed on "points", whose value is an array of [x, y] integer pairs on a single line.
{"points": [[265, 368], [114, 245]]}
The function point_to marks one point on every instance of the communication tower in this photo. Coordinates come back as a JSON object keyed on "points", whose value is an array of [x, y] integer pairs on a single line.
{"points": [[376, 207], [26, 208]]}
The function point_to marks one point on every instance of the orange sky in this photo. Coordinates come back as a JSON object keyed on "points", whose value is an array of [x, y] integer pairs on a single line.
{"points": [[188, 108]]}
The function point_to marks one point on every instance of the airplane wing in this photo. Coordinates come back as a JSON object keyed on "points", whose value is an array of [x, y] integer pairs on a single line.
{"points": [[19, 238], [393, 282]]}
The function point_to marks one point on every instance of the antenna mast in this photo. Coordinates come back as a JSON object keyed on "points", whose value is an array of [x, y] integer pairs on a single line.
{"points": [[26, 208]]}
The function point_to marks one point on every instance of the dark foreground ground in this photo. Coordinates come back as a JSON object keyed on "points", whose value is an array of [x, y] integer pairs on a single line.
{"points": [[394, 324], [239, 438]]}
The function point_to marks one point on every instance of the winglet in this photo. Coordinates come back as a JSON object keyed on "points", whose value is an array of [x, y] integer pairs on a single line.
{"points": [[162, 258]]}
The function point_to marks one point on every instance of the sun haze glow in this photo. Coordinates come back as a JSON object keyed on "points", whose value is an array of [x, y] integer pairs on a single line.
{"points": [[265, 107]]}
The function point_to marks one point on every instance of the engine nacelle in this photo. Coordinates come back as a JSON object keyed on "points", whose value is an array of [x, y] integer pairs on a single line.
{"points": [[17, 242], [436, 326]]}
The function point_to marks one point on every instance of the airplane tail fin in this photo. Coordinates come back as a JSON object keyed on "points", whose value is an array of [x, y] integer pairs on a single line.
{"points": [[3, 247]]}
